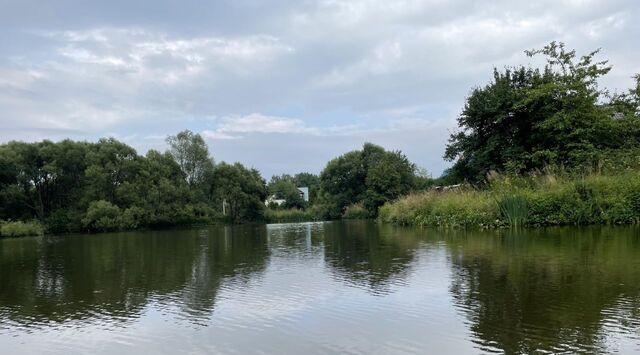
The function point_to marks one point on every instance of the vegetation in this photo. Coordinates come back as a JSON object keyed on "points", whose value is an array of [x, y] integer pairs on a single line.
{"points": [[527, 118], [289, 215], [355, 211], [79, 186], [371, 176], [536, 200], [285, 187], [524, 121], [20, 229]]}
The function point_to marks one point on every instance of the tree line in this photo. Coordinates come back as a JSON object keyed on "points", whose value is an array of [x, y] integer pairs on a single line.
{"points": [[78, 186], [525, 120], [71, 186]]}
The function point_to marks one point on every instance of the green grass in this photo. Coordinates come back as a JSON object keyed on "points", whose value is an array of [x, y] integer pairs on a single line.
{"points": [[514, 209], [535, 200], [20, 229]]}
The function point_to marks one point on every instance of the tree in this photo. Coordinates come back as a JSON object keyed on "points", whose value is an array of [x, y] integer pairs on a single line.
{"points": [[371, 175], [192, 155], [284, 187], [110, 165], [528, 118], [309, 180], [390, 177], [242, 190]]}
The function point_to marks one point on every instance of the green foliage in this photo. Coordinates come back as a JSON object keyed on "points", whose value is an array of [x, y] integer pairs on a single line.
{"points": [[356, 211], [514, 209], [241, 190], [284, 187], [20, 229], [371, 176], [72, 186], [192, 155], [465, 208], [527, 118], [288, 215], [309, 180], [102, 216], [534, 200]]}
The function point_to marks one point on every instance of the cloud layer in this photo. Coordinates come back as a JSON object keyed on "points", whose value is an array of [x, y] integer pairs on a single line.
{"points": [[282, 86]]}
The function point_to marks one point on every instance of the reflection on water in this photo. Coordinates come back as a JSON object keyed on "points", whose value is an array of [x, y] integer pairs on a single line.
{"points": [[342, 287]]}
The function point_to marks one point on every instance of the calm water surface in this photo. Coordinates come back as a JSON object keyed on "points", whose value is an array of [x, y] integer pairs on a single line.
{"points": [[322, 288]]}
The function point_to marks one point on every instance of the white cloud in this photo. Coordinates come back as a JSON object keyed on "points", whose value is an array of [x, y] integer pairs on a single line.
{"points": [[233, 127], [256, 122]]}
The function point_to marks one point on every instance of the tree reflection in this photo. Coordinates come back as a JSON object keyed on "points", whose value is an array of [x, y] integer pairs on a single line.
{"points": [[366, 255], [546, 290], [114, 276]]}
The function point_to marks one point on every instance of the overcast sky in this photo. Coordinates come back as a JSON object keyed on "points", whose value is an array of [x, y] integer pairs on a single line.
{"points": [[282, 86]]}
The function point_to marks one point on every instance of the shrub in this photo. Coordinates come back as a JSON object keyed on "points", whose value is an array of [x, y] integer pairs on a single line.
{"points": [[20, 229], [356, 211], [102, 216], [132, 218]]}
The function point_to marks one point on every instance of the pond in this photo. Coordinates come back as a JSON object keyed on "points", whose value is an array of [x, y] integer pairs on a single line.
{"points": [[322, 288]]}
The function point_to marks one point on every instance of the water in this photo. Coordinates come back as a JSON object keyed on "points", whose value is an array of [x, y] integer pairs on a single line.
{"points": [[322, 288]]}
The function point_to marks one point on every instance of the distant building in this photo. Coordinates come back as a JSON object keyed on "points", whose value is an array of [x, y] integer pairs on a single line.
{"points": [[618, 115], [304, 193], [273, 200]]}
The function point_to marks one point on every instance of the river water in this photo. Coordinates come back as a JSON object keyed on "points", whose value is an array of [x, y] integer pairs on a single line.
{"points": [[322, 288]]}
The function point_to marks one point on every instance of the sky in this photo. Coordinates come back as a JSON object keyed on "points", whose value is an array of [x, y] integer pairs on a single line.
{"points": [[282, 86]]}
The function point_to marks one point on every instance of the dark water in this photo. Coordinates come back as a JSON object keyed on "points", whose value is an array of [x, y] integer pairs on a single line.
{"points": [[352, 288]]}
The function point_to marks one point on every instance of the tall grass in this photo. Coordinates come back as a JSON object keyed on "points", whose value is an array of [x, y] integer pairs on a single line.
{"points": [[514, 209], [290, 215], [542, 199]]}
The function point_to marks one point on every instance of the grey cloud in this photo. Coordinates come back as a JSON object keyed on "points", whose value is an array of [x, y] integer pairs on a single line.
{"points": [[319, 77]]}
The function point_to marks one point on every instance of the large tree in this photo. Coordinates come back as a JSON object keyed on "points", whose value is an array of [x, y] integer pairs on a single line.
{"points": [[528, 118], [192, 155], [241, 190], [372, 176]]}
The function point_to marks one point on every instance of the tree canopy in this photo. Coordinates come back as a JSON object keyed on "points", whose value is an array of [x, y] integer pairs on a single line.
{"points": [[528, 118], [372, 176], [74, 186]]}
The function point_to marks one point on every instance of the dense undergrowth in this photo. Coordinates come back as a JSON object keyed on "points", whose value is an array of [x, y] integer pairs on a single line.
{"points": [[20, 229], [536, 200]]}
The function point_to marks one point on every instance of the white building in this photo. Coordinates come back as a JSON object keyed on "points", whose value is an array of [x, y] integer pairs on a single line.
{"points": [[304, 193]]}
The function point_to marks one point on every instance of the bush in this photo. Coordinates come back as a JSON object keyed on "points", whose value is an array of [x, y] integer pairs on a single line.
{"points": [[20, 229], [459, 208], [102, 216], [356, 211], [133, 218]]}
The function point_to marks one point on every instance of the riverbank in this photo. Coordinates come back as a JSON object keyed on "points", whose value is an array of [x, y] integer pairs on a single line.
{"points": [[35, 228], [536, 200]]}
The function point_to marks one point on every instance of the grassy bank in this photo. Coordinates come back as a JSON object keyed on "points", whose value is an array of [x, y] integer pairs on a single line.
{"points": [[537, 200]]}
